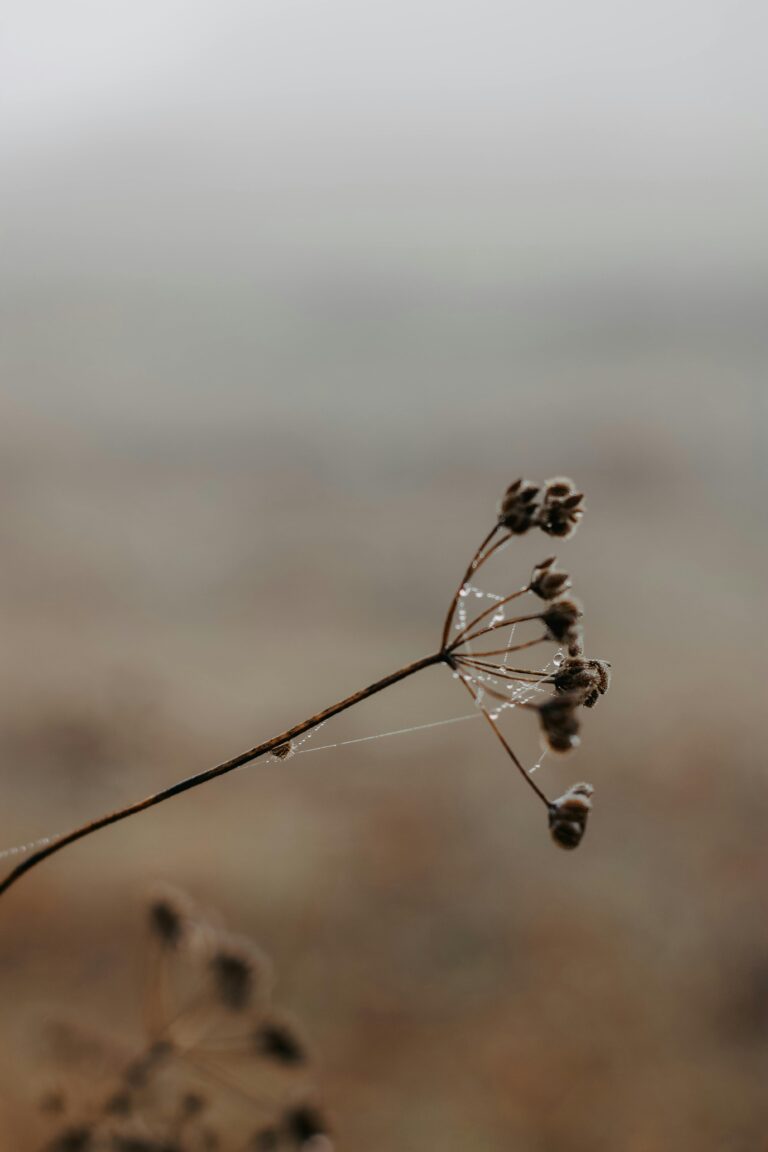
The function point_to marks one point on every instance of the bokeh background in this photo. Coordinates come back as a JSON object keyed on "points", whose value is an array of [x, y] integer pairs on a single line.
{"points": [[290, 292]]}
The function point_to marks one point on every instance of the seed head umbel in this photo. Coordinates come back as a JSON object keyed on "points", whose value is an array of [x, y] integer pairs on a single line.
{"points": [[518, 508], [568, 815]]}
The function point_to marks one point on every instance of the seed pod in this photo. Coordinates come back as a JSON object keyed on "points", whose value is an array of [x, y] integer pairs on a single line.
{"points": [[547, 581], [562, 620], [568, 815], [588, 679], [518, 508], [561, 508], [560, 722]]}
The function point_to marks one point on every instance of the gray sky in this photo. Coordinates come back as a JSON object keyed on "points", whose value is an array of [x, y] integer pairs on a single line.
{"points": [[346, 185]]}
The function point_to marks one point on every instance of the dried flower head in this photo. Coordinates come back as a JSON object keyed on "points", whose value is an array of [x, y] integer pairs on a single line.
{"points": [[548, 581], [561, 507], [562, 618], [588, 679], [568, 815], [560, 723], [518, 508]]}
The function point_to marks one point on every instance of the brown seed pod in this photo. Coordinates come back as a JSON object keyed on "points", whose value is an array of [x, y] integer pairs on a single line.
{"points": [[568, 815], [518, 508], [562, 620], [547, 581], [560, 723], [561, 508], [588, 679]]}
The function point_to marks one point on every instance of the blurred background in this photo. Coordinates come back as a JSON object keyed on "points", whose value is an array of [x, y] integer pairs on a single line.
{"points": [[290, 292]]}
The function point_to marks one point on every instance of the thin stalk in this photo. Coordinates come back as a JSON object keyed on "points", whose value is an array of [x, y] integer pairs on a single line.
{"points": [[526, 776], [493, 608], [495, 627], [503, 669], [220, 769], [476, 561]]}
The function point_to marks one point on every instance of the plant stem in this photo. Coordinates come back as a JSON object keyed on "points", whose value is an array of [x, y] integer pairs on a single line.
{"points": [[219, 770], [473, 565], [525, 775]]}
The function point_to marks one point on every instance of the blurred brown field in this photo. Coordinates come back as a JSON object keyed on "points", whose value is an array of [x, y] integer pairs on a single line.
{"points": [[465, 984], [280, 323]]}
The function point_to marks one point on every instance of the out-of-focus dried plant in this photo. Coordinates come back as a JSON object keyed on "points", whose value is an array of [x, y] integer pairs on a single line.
{"points": [[556, 510], [222, 1068]]}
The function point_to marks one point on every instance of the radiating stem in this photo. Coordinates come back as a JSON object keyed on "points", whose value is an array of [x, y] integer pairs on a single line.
{"points": [[526, 776], [476, 561]]}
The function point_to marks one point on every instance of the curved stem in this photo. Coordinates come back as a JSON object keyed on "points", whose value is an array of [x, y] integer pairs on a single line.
{"points": [[526, 776], [473, 565], [493, 608], [220, 769], [494, 627]]}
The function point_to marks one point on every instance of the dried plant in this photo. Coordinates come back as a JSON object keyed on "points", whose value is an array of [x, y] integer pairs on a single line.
{"points": [[222, 1069], [576, 681]]}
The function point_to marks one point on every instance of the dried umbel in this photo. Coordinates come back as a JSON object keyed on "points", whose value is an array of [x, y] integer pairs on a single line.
{"points": [[568, 815], [207, 1080], [488, 673]]}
